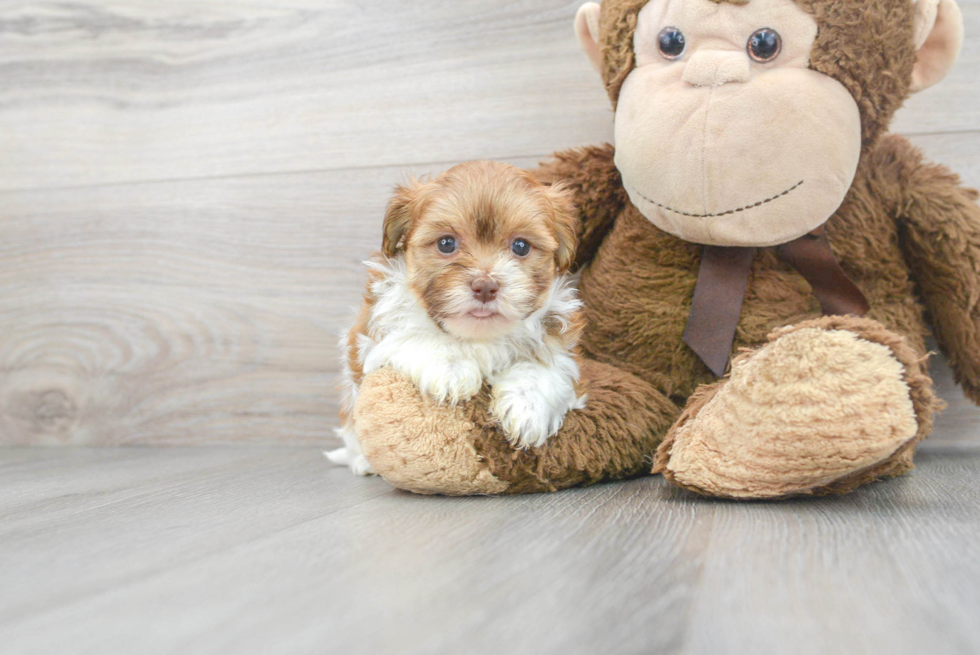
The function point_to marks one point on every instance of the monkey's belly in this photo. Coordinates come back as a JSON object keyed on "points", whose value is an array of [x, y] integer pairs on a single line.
{"points": [[637, 293]]}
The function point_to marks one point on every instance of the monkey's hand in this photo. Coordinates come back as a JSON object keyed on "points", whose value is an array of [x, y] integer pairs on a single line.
{"points": [[940, 236]]}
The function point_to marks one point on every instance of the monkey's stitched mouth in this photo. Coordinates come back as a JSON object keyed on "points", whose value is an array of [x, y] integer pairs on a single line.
{"points": [[725, 213]]}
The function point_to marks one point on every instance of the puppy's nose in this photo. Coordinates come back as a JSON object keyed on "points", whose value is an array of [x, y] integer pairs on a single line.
{"points": [[484, 289]]}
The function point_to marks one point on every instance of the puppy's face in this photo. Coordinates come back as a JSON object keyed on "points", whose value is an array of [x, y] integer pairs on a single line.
{"points": [[483, 242]]}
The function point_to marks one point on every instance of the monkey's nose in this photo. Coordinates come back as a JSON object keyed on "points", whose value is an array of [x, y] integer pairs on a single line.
{"points": [[716, 67], [484, 289]]}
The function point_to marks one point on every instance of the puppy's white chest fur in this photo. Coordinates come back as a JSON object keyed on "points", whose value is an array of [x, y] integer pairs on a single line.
{"points": [[444, 367], [532, 375]]}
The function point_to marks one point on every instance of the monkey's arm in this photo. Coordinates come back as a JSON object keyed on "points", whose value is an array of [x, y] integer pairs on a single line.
{"points": [[940, 235], [597, 188]]}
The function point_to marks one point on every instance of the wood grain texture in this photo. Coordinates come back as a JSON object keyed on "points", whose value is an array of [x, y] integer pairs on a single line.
{"points": [[187, 190], [207, 550], [99, 92], [200, 311]]}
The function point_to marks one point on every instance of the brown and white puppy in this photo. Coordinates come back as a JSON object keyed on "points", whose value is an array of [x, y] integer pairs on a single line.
{"points": [[471, 286]]}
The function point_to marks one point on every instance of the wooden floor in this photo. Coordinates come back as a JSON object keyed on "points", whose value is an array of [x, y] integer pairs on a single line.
{"points": [[260, 550], [187, 189]]}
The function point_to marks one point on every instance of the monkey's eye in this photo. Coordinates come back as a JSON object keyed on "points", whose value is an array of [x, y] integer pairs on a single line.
{"points": [[764, 45], [447, 245], [520, 247], [672, 43]]}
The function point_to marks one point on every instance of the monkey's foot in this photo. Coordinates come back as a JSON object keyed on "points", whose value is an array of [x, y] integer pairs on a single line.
{"points": [[824, 407]]}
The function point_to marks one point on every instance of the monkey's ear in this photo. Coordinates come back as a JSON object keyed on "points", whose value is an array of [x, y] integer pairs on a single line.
{"points": [[399, 215], [587, 31], [938, 39], [565, 225]]}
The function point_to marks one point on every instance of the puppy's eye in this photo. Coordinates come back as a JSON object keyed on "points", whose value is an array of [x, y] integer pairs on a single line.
{"points": [[764, 45], [671, 42], [447, 245], [520, 247]]}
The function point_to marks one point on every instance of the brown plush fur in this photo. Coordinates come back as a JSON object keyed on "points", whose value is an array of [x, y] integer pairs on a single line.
{"points": [[907, 234], [426, 448], [614, 437], [905, 227], [638, 287], [906, 231], [939, 226], [598, 199]]}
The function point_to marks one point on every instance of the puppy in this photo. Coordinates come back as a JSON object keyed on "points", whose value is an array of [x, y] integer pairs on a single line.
{"points": [[471, 286]]}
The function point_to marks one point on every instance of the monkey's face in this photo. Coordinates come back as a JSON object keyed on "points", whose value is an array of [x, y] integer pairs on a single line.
{"points": [[724, 135]]}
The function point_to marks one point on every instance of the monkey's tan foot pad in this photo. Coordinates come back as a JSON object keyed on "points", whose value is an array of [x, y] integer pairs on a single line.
{"points": [[417, 445], [825, 406]]}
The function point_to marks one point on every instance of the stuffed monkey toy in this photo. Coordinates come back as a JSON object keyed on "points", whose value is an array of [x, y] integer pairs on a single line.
{"points": [[760, 262]]}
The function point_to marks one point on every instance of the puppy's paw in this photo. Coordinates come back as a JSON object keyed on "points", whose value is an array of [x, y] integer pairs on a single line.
{"points": [[450, 382], [340, 456], [526, 418], [360, 466], [344, 457]]}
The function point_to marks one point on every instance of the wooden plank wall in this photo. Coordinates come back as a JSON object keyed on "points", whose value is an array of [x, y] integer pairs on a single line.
{"points": [[187, 189]]}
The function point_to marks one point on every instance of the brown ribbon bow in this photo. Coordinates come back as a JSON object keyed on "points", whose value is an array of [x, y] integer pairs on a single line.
{"points": [[724, 276]]}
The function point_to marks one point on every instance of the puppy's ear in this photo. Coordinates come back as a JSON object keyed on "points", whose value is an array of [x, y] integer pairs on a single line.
{"points": [[565, 225], [399, 216]]}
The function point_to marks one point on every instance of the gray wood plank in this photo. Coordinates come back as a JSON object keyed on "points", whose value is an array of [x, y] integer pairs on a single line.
{"points": [[97, 92], [126, 91], [891, 569], [959, 423], [200, 311], [631, 567], [128, 513]]}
